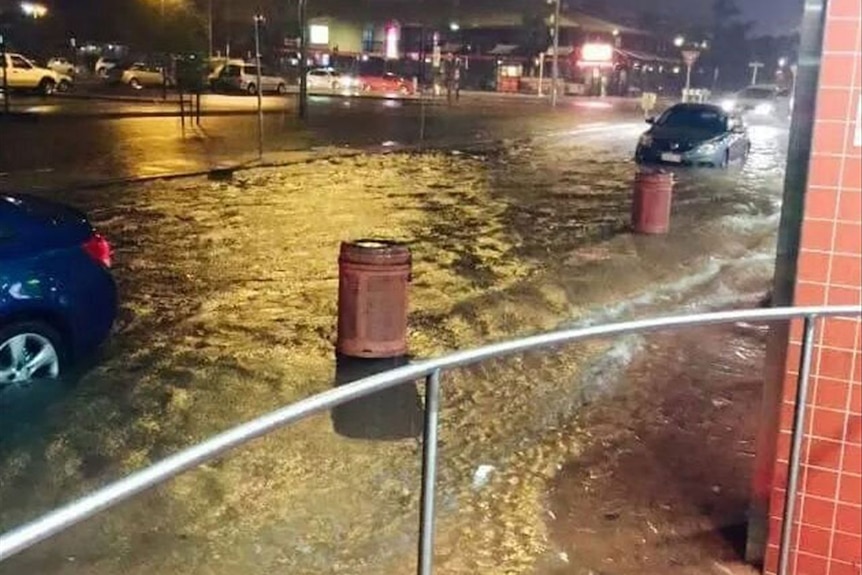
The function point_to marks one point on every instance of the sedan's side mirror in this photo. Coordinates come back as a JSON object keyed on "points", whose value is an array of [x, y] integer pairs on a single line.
{"points": [[650, 120]]}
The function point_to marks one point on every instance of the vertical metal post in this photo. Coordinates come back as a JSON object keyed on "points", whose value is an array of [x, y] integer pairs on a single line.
{"points": [[303, 60], [556, 65], [165, 56], [429, 474], [257, 20], [5, 75], [210, 27], [541, 72], [797, 435]]}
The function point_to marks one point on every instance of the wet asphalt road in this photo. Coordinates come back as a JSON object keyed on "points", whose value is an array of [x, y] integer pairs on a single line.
{"points": [[58, 147], [228, 293]]}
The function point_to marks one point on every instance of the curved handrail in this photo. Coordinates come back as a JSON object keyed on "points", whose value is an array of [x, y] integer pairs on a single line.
{"points": [[87, 506]]}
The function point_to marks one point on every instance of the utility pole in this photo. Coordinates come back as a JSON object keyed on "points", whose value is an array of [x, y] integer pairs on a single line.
{"points": [[555, 74], [259, 89], [165, 56], [303, 60], [210, 27], [5, 74]]}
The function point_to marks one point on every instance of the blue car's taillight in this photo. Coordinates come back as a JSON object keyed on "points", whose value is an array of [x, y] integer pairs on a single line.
{"points": [[98, 248]]}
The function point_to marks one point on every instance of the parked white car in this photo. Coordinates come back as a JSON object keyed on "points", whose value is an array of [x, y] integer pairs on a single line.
{"points": [[62, 66], [238, 76], [23, 74], [104, 65], [329, 80]]}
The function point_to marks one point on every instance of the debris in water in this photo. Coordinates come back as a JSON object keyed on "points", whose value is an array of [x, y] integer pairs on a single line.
{"points": [[720, 402], [564, 557], [482, 475]]}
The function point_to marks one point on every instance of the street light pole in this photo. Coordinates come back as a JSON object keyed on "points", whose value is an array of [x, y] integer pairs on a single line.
{"points": [[210, 27], [165, 58], [303, 60], [259, 89], [556, 65], [5, 74]]}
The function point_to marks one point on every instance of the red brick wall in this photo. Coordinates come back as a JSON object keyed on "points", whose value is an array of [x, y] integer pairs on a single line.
{"points": [[827, 539]]}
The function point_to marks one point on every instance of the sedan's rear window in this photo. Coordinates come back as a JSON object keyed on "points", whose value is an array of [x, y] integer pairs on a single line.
{"points": [[757, 93], [694, 118]]}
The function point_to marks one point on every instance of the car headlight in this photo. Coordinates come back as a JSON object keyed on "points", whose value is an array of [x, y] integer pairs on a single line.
{"points": [[764, 109], [728, 105], [645, 141], [708, 148]]}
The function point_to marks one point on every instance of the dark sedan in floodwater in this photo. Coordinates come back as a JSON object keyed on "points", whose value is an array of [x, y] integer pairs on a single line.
{"points": [[694, 135]]}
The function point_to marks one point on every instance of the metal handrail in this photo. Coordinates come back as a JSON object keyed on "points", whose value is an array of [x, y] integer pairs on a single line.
{"points": [[63, 518]]}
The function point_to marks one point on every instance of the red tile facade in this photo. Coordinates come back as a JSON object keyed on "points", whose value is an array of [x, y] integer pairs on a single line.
{"points": [[827, 536]]}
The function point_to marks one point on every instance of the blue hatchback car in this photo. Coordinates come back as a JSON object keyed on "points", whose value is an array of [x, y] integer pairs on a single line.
{"points": [[58, 300]]}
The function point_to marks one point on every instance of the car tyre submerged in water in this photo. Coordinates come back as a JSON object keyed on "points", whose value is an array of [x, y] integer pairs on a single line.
{"points": [[251, 89], [30, 350]]}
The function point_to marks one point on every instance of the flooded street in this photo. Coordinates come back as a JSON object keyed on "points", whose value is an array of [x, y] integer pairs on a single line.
{"points": [[228, 293]]}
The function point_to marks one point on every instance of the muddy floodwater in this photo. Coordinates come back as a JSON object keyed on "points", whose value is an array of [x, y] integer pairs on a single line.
{"points": [[228, 311]]}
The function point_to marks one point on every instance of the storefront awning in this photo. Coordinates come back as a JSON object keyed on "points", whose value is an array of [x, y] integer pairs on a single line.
{"points": [[564, 51], [503, 50], [646, 57]]}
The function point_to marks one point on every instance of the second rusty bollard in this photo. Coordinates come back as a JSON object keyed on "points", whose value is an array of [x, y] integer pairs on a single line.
{"points": [[653, 193], [372, 299]]}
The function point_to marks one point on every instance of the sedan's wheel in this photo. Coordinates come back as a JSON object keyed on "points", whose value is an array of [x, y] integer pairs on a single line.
{"points": [[47, 87], [135, 84], [29, 351], [251, 89], [65, 86], [281, 89]]}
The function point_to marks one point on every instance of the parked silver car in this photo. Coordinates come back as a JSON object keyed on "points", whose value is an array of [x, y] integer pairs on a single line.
{"points": [[238, 76], [139, 75]]}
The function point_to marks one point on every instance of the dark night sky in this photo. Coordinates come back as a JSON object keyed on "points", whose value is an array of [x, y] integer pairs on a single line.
{"points": [[773, 16], [770, 16]]}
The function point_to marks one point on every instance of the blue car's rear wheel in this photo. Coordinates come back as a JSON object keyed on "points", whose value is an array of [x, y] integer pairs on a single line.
{"points": [[29, 351]]}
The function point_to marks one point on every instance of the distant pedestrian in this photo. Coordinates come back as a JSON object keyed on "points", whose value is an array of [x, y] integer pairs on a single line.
{"points": [[456, 78]]}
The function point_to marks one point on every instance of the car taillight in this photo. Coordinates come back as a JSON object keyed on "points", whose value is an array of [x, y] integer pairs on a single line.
{"points": [[98, 248]]}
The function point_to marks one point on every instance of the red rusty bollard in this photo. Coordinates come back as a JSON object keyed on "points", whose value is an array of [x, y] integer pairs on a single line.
{"points": [[653, 193], [372, 299]]}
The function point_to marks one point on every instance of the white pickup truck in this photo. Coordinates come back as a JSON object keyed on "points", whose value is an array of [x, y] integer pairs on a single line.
{"points": [[23, 74]]}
